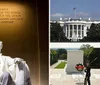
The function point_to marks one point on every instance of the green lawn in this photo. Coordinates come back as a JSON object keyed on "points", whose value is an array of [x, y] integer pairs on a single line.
{"points": [[61, 65]]}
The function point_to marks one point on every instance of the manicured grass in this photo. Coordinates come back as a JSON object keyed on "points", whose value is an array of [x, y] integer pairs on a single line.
{"points": [[61, 65]]}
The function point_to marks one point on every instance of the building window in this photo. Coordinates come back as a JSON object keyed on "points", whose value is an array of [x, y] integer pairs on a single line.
{"points": [[75, 29], [82, 27], [79, 27], [70, 27], [70, 33], [67, 27], [79, 32]]}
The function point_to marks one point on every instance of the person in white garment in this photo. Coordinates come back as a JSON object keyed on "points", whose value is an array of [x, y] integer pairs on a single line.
{"points": [[13, 71]]}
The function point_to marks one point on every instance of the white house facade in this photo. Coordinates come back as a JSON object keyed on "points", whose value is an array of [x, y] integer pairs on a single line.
{"points": [[75, 29]]}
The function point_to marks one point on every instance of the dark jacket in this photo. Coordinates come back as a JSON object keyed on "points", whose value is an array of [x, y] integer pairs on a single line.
{"points": [[88, 69]]}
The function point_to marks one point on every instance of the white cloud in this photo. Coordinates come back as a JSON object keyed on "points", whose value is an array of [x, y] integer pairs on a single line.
{"points": [[58, 15], [82, 14], [79, 14]]}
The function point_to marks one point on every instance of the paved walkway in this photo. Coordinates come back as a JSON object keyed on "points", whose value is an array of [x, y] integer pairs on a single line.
{"points": [[59, 77]]}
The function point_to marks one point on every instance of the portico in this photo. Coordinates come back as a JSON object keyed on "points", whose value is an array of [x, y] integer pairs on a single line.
{"points": [[74, 31]]}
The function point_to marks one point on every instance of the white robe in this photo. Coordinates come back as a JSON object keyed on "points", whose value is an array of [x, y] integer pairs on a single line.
{"points": [[19, 72]]}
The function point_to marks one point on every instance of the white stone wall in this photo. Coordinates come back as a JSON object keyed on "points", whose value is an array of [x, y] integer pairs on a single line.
{"points": [[73, 57]]}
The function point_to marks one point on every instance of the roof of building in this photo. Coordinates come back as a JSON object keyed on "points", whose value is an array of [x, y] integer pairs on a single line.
{"points": [[81, 19]]}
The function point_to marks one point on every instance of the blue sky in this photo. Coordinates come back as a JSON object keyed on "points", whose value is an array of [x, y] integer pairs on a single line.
{"points": [[84, 9]]}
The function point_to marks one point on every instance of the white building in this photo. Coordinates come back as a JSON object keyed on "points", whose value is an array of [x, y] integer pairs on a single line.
{"points": [[75, 29]]}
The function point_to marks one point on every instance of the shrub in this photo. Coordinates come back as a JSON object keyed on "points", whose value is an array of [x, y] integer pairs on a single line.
{"points": [[63, 56], [53, 57]]}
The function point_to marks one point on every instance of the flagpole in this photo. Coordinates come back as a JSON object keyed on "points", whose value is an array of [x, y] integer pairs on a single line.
{"points": [[74, 12]]}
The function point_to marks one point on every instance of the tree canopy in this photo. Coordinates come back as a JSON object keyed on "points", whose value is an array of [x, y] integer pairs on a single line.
{"points": [[93, 34], [56, 33], [95, 54], [57, 54], [61, 51], [53, 56], [87, 50]]}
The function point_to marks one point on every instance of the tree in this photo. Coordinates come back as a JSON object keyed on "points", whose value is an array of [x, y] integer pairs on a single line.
{"points": [[93, 34], [87, 51], [61, 51], [95, 54], [57, 34], [53, 56], [63, 56]]}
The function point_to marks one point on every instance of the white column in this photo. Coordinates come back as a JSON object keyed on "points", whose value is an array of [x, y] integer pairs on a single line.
{"points": [[66, 31], [81, 31], [72, 30], [85, 30], [77, 30]]}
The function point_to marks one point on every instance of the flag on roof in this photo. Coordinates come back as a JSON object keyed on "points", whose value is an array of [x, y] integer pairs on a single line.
{"points": [[74, 8]]}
